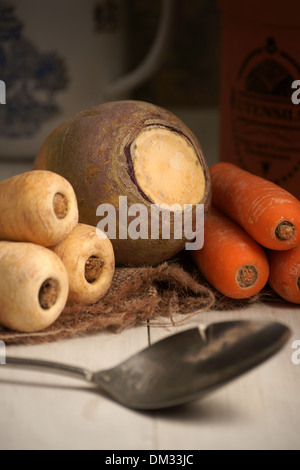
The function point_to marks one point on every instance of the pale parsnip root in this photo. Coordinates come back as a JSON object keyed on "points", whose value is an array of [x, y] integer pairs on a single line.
{"points": [[38, 207], [90, 263], [34, 286]]}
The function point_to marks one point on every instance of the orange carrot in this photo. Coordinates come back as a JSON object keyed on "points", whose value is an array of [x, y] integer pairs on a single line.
{"points": [[230, 260], [285, 273], [267, 212]]}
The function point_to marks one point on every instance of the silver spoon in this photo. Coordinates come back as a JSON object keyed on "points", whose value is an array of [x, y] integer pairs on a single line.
{"points": [[182, 367]]}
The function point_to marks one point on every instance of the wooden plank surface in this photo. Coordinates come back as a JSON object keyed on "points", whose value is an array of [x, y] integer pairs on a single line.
{"points": [[257, 411], [41, 411]]}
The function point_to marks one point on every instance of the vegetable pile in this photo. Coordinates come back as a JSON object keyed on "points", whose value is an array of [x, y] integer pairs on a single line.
{"points": [[51, 253], [252, 236], [47, 259]]}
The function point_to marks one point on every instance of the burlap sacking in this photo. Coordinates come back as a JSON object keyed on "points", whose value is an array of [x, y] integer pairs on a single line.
{"points": [[136, 296]]}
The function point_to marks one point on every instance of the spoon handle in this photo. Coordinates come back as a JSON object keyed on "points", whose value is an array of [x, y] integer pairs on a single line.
{"points": [[51, 367]]}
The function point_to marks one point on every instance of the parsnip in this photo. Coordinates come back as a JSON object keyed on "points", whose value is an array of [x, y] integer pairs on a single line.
{"points": [[33, 286], [38, 207], [90, 263]]}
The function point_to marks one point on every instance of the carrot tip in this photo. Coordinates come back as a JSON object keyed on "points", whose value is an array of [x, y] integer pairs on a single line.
{"points": [[246, 276], [285, 230], [48, 293], [93, 268], [60, 206]]}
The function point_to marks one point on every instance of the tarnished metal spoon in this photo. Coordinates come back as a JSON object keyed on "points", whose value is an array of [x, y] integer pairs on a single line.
{"points": [[181, 368]]}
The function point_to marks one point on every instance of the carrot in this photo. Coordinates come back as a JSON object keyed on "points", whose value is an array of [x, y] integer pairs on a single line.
{"points": [[230, 260], [38, 207], [267, 212], [285, 273], [88, 256], [34, 286]]}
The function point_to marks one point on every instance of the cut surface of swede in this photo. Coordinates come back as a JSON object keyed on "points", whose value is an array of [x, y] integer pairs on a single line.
{"points": [[167, 168]]}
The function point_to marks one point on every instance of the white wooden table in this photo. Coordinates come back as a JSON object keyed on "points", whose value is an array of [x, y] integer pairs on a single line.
{"points": [[260, 410]]}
